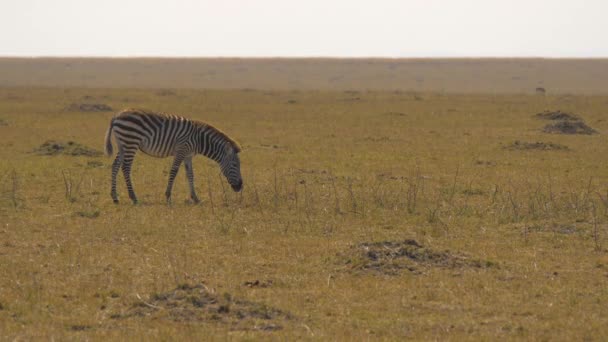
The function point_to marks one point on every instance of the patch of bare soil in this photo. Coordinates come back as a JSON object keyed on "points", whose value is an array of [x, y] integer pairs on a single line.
{"points": [[539, 145], [89, 107], [485, 163], [165, 92], [196, 303], [376, 139], [258, 283], [393, 257], [92, 213], [79, 327], [394, 113], [93, 164], [71, 148]]}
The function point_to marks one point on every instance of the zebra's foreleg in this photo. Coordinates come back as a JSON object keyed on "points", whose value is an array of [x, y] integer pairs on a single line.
{"points": [[115, 166], [177, 162], [126, 170], [190, 177]]}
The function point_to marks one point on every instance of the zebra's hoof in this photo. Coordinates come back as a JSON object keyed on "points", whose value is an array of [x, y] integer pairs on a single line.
{"points": [[115, 201]]}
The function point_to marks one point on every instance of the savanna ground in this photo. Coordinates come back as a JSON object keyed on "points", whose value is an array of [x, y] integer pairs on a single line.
{"points": [[389, 211]]}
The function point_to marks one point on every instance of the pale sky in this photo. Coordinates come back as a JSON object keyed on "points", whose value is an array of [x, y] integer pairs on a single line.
{"points": [[258, 28]]}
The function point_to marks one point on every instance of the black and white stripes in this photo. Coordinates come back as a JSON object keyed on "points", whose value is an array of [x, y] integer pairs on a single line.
{"points": [[161, 135]]}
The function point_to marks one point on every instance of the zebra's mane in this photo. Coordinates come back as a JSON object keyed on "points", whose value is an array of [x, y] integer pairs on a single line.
{"points": [[234, 143], [198, 123]]}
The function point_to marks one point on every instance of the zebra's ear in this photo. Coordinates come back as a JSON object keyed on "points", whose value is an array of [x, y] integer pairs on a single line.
{"points": [[229, 149], [233, 148]]}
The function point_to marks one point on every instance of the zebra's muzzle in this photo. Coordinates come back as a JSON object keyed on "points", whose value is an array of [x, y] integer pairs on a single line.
{"points": [[238, 186]]}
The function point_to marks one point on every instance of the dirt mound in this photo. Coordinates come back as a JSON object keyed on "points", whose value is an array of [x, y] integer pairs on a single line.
{"points": [[539, 145], [195, 303], [392, 257], [567, 123], [89, 107], [557, 115], [71, 148], [569, 127]]}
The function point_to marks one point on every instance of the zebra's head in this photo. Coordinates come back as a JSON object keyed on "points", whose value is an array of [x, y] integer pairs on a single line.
{"points": [[231, 167]]}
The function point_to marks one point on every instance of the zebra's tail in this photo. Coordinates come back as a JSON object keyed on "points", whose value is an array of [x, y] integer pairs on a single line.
{"points": [[109, 149]]}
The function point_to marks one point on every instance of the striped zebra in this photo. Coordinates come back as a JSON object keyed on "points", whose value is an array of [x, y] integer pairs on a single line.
{"points": [[162, 135]]}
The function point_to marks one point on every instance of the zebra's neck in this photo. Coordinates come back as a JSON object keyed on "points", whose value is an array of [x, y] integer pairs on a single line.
{"points": [[211, 144]]}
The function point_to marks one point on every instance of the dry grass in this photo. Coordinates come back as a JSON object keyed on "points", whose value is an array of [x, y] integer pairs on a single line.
{"points": [[506, 243]]}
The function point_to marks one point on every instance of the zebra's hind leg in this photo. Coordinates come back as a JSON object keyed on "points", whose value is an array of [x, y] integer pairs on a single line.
{"points": [[190, 177], [177, 162], [115, 166], [126, 170]]}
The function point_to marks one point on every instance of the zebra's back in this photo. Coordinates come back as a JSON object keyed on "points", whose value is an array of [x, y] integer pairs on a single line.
{"points": [[156, 134]]}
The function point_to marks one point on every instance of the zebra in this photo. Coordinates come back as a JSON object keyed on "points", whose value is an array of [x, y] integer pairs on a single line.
{"points": [[163, 135]]}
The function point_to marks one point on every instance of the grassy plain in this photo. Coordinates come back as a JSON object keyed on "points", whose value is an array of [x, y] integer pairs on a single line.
{"points": [[456, 75], [514, 234]]}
